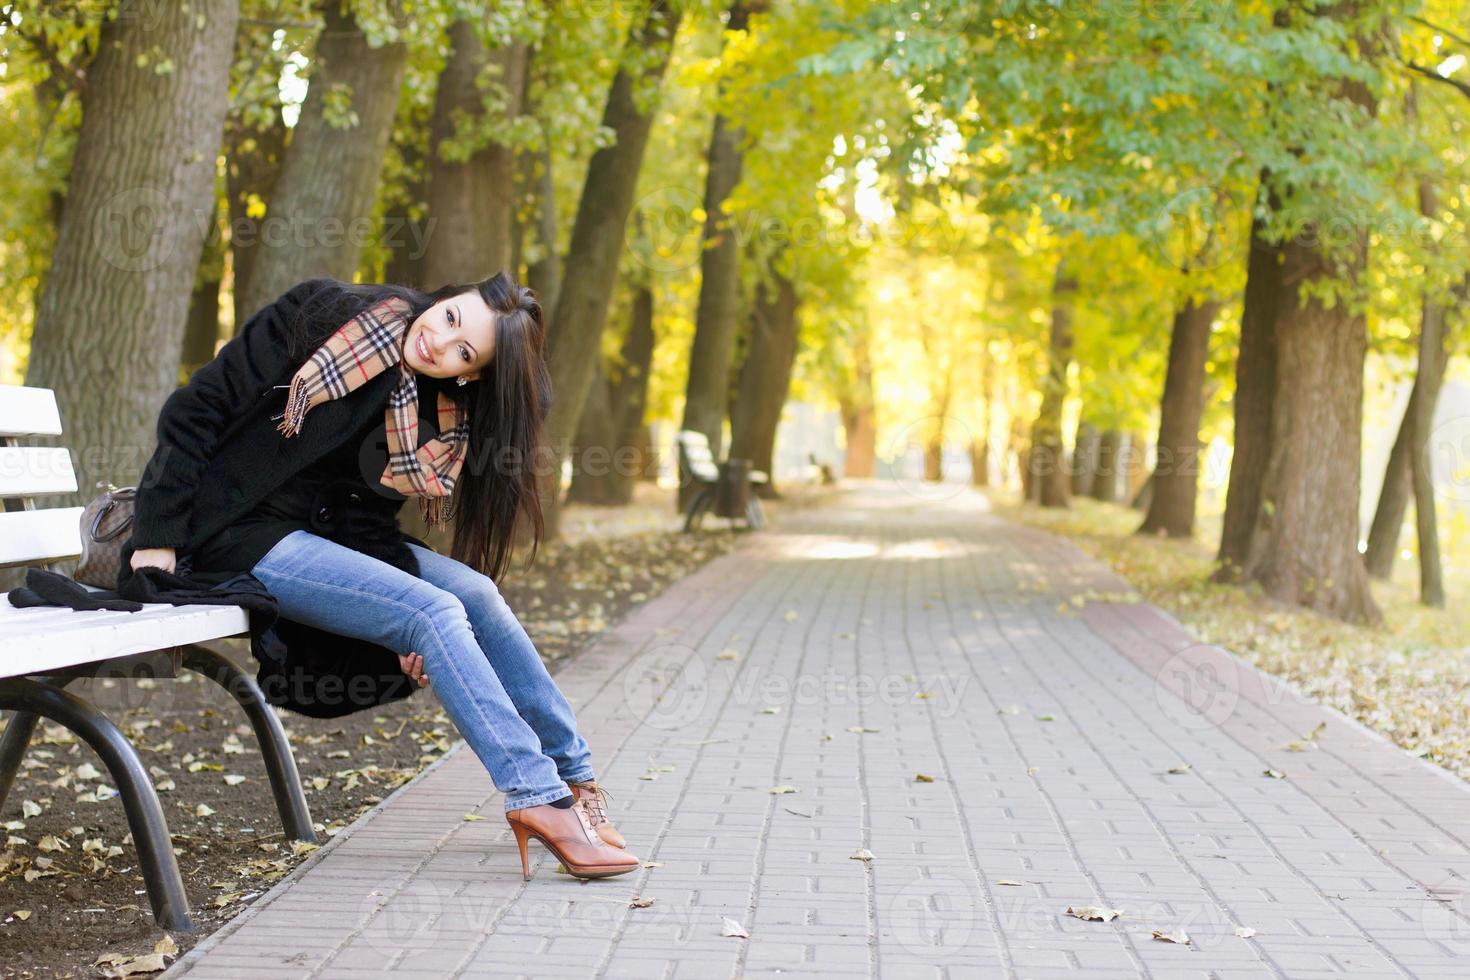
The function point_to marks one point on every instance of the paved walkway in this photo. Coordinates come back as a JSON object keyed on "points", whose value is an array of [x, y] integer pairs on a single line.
{"points": [[843, 655]]}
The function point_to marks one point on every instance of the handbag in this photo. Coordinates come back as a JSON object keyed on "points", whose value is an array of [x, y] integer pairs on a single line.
{"points": [[104, 522]]}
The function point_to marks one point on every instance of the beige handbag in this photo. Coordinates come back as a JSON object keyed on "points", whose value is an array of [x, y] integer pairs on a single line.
{"points": [[105, 521]]}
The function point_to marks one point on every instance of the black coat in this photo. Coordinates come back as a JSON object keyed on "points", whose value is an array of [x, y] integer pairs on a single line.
{"points": [[219, 454]]}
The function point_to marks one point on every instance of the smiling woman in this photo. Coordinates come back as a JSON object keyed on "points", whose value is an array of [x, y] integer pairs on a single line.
{"points": [[454, 338], [365, 364]]}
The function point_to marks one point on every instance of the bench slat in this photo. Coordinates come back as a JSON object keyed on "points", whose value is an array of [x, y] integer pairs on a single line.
{"points": [[36, 640], [35, 471], [28, 412], [33, 536]]}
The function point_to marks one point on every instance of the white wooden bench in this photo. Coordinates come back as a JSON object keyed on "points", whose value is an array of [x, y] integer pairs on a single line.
{"points": [[697, 465], [44, 648]]}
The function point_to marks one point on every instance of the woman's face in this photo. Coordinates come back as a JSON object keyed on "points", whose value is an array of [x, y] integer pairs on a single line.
{"points": [[454, 337]]}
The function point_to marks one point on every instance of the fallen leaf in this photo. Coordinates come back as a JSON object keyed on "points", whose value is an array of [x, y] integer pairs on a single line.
{"points": [[779, 790], [770, 710], [863, 854], [860, 730], [1272, 773], [790, 616], [1244, 932], [203, 810], [1009, 881], [22, 914], [728, 655], [1178, 770], [640, 903], [472, 817], [923, 777], [1172, 937], [734, 929], [1093, 913], [234, 780]]}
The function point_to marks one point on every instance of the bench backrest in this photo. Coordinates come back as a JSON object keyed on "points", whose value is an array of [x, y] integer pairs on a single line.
{"points": [[694, 450], [31, 536]]}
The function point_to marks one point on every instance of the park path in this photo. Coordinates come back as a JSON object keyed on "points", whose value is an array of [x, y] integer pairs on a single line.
{"points": [[888, 633]]}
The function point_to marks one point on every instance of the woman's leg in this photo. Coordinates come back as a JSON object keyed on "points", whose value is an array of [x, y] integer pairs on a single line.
{"points": [[515, 660], [327, 585]]}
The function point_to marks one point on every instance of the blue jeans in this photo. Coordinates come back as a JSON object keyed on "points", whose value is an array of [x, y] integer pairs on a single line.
{"points": [[483, 666]]}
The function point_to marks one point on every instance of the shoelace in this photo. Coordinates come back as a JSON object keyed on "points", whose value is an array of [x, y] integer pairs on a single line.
{"points": [[594, 800]]}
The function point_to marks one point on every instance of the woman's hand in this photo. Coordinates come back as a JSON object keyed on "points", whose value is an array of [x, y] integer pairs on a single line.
{"points": [[413, 666], [157, 557]]}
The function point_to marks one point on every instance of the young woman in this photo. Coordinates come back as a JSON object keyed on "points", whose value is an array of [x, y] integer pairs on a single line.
{"points": [[306, 500]]}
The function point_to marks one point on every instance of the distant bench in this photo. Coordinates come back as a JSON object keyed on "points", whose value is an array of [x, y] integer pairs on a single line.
{"points": [[43, 649], [724, 487]]}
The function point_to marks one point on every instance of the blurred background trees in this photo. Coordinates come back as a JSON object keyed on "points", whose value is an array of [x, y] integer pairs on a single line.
{"points": [[1206, 260]]}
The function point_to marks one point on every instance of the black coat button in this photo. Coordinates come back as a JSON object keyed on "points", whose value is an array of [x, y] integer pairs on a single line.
{"points": [[355, 498], [324, 514]]}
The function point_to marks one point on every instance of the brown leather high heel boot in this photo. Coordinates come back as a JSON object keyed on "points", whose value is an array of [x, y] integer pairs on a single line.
{"points": [[568, 834], [593, 798]]}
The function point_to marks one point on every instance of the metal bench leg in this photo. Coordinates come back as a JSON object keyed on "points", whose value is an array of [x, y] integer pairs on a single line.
{"points": [[280, 764], [140, 801], [701, 503], [17, 738]]}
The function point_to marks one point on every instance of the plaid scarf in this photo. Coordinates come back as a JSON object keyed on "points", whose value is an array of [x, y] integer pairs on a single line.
{"points": [[360, 350]]}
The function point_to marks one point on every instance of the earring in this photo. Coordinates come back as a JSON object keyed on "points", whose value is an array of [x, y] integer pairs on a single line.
{"points": [[461, 381]]}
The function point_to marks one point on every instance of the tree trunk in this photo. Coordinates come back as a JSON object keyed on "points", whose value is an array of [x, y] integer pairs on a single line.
{"points": [[607, 457], [629, 395], [253, 159], [109, 323], [765, 377], [1137, 472], [1433, 356], [201, 330], [472, 198], [859, 425], [980, 462], [1049, 471], [1176, 471], [1432, 351], [706, 398], [591, 454], [1105, 484], [1393, 496], [315, 223], [597, 241], [1304, 547], [544, 272], [1255, 392], [1084, 459]]}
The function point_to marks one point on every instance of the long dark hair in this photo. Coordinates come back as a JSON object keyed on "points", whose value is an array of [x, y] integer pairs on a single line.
{"points": [[506, 407]]}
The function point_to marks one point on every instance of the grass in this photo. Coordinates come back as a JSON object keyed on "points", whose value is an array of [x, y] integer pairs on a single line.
{"points": [[1408, 680]]}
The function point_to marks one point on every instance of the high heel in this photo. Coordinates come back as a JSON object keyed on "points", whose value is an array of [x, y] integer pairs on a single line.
{"points": [[523, 834], [566, 833]]}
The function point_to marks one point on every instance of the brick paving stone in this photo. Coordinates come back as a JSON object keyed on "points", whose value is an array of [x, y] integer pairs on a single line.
{"points": [[880, 636]]}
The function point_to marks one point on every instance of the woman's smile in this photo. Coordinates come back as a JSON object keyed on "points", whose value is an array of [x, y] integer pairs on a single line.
{"points": [[421, 346]]}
